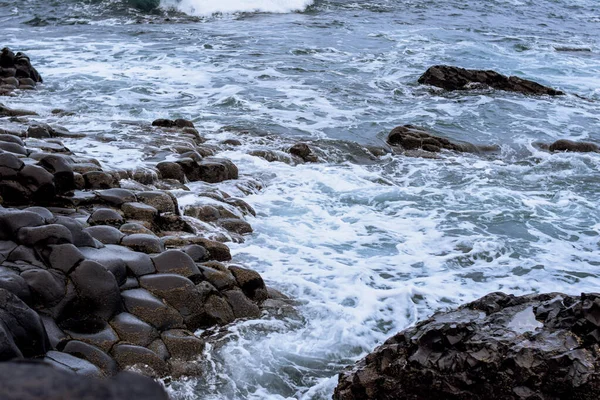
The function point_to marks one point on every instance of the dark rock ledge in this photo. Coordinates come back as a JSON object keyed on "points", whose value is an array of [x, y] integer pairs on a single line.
{"points": [[101, 273], [498, 347], [455, 78]]}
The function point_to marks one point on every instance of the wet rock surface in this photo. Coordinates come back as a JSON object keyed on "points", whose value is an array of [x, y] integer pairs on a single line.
{"points": [[99, 270], [16, 72], [498, 347], [412, 140], [455, 78]]}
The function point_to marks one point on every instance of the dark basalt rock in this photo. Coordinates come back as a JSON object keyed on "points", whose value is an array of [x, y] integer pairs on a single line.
{"points": [[22, 332], [498, 347], [571, 146], [133, 330], [41, 381], [409, 137], [168, 123], [92, 354], [77, 365], [175, 262], [171, 170], [454, 78]]}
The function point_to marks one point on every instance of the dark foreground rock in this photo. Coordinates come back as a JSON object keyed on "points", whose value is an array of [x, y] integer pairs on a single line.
{"points": [[454, 78], [412, 138], [41, 381], [498, 347]]}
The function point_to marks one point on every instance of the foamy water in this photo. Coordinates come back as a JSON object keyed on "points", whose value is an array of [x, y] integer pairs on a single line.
{"points": [[366, 247], [210, 7]]}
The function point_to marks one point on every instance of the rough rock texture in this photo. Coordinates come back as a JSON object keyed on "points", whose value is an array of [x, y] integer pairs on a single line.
{"points": [[454, 78], [498, 347], [412, 138]]}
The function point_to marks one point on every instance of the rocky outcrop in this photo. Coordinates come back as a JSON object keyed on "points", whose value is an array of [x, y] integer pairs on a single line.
{"points": [[16, 72], [498, 347], [454, 78], [411, 138]]}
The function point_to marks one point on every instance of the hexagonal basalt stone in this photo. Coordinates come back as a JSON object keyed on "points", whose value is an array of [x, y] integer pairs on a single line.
{"points": [[145, 243], [105, 234], [133, 330], [98, 291], [137, 264], [171, 170], [12, 221], [106, 216], [139, 211], [196, 252], [63, 257], [104, 339], [131, 228], [47, 234], [175, 262], [148, 308], [178, 292], [162, 201], [14, 283], [75, 364], [182, 344], [116, 197], [92, 354], [99, 180], [242, 307], [221, 279], [217, 311], [250, 282], [139, 358], [23, 325], [236, 225], [47, 287]]}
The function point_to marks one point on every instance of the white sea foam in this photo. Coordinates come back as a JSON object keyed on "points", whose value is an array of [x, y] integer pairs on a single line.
{"points": [[210, 7]]}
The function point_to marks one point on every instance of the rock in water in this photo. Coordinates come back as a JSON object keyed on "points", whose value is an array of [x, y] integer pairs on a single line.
{"points": [[144, 5], [498, 347], [454, 78]]}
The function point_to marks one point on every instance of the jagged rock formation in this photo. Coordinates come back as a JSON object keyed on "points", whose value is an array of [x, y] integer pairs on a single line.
{"points": [[455, 78], [412, 138], [498, 347]]}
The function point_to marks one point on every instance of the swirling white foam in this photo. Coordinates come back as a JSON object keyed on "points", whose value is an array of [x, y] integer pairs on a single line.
{"points": [[210, 7]]}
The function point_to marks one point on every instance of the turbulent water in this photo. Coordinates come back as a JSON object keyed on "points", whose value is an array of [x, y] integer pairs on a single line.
{"points": [[366, 247]]}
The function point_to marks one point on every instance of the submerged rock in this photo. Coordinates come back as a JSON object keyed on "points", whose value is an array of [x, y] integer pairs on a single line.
{"points": [[455, 78], [498, 347]]}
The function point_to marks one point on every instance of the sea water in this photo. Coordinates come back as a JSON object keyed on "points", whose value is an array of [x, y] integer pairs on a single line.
{"points": [[365, 246]]}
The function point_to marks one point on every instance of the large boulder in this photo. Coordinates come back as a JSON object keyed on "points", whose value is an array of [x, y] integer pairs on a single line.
{"points": [[498, 347], [455, 78]]}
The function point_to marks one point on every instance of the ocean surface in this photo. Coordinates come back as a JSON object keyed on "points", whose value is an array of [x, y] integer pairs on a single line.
{"points": [[365, 246]]}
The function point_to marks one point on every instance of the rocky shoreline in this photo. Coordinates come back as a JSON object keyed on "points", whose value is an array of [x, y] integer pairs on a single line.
{"points": [[102, 271]]}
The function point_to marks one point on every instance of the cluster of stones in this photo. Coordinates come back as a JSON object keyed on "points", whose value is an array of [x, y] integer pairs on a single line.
{"points": [[500, 347], [86, 283], [100, 272], [455, 78], [16, 72]]}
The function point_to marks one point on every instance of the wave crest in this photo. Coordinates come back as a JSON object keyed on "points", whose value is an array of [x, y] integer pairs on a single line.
{"points": [[210, 7]]}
